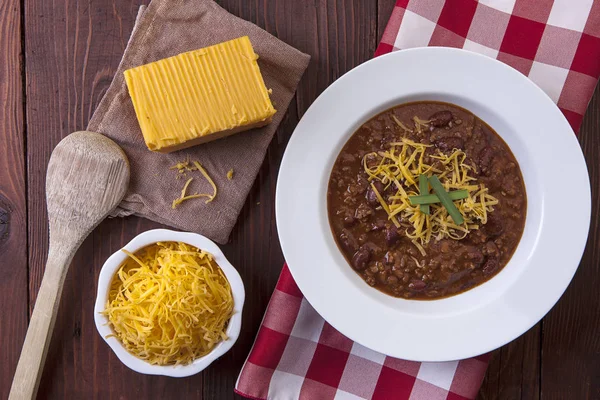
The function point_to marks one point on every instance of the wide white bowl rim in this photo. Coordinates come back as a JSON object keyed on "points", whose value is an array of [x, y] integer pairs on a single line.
{"points": [[485, 317]]}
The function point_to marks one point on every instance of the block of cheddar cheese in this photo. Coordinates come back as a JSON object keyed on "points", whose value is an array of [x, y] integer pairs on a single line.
{"points": [[199, 96]]}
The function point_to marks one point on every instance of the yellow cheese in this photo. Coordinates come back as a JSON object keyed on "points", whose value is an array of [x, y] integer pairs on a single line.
{"points": [[199, 96], [183, 166], [169, 303], [397, 169]]}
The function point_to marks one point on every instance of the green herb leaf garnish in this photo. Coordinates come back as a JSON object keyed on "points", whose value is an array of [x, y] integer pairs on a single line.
{"points": [[424, 190], [446, 200], [432, 198]]}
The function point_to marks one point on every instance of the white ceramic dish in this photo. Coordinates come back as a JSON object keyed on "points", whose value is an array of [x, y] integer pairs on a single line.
{"points": [[163, 235], [482, 318]]}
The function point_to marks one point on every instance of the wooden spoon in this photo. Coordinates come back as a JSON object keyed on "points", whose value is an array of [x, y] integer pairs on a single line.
{"points": [[87, 177]]}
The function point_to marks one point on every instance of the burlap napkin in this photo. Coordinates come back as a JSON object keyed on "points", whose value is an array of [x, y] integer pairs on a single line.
{"points": [[164, 29]]}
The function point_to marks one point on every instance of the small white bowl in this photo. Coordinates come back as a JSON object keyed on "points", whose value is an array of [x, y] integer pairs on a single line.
{"points": [[111, 266]]}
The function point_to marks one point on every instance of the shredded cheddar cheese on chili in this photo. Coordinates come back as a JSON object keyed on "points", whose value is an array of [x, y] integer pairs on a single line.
{"points": [[169, 303], [399, 168]]}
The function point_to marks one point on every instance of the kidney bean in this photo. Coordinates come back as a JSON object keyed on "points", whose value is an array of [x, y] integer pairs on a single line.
{"points": [[361, 258], [417, 285], [348, 240], [371, 196], [485, 158], [377, 225], [349, 220], [491, 266], [372, 247], [440, 119], [392, 235], [474, 254]]}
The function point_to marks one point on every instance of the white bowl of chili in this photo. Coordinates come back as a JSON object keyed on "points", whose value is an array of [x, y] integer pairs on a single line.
{"points": [[489, 315], [217, 269]]}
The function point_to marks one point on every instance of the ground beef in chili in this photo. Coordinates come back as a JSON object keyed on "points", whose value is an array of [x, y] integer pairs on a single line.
{"points": [[380, 252]]}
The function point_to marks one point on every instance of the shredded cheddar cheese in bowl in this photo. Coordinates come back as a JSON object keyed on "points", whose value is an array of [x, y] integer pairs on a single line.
{"points": [[169, 303]]}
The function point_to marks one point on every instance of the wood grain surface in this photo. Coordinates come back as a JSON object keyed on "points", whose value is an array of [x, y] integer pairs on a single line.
{"points": [[13, 206], [72, 49]]}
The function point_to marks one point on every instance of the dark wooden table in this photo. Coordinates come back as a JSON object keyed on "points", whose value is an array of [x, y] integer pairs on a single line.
{"points": [[57, 60]]}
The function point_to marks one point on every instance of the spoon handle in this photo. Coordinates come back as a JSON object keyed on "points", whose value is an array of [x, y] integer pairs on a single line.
{"points": [[31, 362]]}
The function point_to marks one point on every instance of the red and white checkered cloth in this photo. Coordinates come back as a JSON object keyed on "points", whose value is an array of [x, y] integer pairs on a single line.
{"points": [[297, 355], [556, 44]]}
